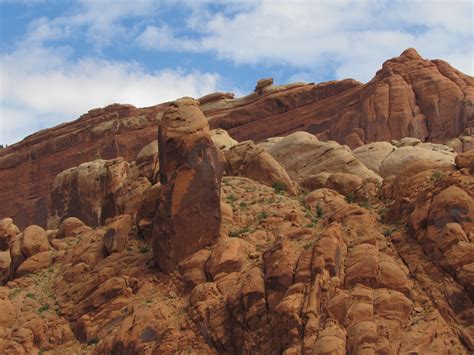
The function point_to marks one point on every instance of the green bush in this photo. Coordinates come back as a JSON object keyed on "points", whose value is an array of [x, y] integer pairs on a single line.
{"points": [[436, 175], [279, 187], [350, 197]]}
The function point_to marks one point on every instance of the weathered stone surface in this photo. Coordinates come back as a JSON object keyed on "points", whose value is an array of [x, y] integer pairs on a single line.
{"points": [[116, 235], [246, 159], [190, 173], [302, 155], [28, 168], [5, 262], [465, 160], [34, 241], [67, 226], [97, 190], [343, 183], [401, 157], [148, 162], [222, 140], [373, 154], [7, 231]]}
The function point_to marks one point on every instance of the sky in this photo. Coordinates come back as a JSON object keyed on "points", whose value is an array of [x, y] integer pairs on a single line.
{"points": [[61, 58]]}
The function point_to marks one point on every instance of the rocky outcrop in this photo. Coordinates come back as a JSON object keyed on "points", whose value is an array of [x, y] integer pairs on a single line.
{"points": [[388, 159], [246, 159], [409, 96], [191, 168], [97, 190], [28, 168], [303, 155], [222, 140]]}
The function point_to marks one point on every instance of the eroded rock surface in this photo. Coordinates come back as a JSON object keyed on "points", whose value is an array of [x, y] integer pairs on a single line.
{"points": [[191, 168]]}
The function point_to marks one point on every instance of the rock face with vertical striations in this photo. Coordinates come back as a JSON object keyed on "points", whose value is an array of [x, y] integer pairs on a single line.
{"points": [[189, 214]]}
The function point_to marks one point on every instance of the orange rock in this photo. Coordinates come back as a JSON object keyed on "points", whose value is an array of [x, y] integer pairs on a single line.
{"points": [[246, 159]]}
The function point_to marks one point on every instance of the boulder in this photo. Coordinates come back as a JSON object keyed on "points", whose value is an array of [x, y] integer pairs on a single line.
{"points": [[67, 226], [314, 182], [5, 262], [116, 235], [343, 183], [301, 154], [248, 160], [33, 241], [373, 154], [97, 190], [7, 231], [191, 168], [465, 160], [36, 262], [263, 82], [401, 157]]}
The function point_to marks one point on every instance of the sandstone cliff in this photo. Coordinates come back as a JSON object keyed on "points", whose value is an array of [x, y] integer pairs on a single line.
{"points": [[409, 96]]}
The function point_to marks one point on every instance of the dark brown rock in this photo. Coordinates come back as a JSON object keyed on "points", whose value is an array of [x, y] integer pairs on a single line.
{"points": [[189, 214]]}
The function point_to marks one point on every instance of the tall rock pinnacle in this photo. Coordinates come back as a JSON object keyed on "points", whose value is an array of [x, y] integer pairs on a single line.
{"points": [[189, 214]]}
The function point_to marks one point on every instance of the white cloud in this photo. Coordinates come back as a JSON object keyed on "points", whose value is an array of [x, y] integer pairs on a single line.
{"points": [[163, 38], [356, 36], [41, 87]]}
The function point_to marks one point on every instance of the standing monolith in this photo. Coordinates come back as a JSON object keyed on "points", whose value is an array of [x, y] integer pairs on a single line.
{"points": [[189, 215]]}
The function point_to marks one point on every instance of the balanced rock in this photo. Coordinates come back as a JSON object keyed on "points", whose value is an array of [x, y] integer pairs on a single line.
{"points": [[191, 167]]}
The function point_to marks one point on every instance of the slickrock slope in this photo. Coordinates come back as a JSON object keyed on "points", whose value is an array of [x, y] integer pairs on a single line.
{"points": [[409, 96]]}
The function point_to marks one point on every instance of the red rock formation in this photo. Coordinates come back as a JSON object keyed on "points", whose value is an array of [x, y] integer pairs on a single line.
{"points": [[409, 96], [28, 168], [189, 214]]}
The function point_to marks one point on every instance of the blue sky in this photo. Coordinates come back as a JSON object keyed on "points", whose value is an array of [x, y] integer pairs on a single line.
{"points": [[58, 59]]}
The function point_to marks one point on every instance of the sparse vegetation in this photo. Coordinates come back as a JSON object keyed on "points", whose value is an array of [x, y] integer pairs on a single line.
{"points": [[243, 204], [279, 187], [231, 198], [93, 341], [388, 232], [319, 211], [438, 174], [366, 204], [144, 249], [238, 232], [43, 308], [262, 215], [350, 198], [15, 292], [31, 295]]}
